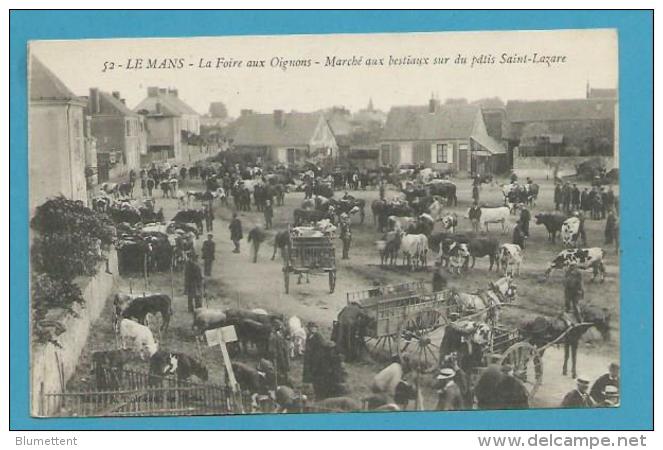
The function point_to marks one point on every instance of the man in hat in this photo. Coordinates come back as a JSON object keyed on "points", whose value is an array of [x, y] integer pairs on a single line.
{"points": [[610, 397], [256, 237], [474, 215], [311, 368], [449, 397], [269, 214], [573, 291], [209, 218], [525, 218], [209, 248], [278, 352], [609, 379], [235, 228], [579, 397], [193, 282], [346, 235]]}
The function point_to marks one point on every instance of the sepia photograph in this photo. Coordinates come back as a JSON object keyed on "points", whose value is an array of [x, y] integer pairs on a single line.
{"points": [[324, 223]]}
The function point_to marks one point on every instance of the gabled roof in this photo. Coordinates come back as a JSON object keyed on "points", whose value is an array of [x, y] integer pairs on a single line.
{"points": [[552, 110], [454, 121], [112, 105], [44, 85], [261, 130], [170, 105]]}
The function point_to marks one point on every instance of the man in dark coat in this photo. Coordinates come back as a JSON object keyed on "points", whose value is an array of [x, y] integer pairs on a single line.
{"points": [[235, 228], [609, 379], [209, 248], [575, 197], [519, 235], [313, 371], [525, 217], [193, 283], [439, 280], [584, 201], [566, 198], [610, 227], [269, 214], [475, 216], [557, 196], [573, 291], [579, 397], [278, 352], [256, 237], [346, 235], [512, 392], [475, 192]]}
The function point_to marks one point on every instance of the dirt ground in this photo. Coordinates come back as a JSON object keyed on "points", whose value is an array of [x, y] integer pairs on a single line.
{"points": [[236, 281]]}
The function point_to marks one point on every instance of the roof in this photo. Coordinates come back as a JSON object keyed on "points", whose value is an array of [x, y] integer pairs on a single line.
{"points": [[107, 100], [260, 130], [602, 93], [454, 121], [169, 104], [44, 85], [552, 110], [486, 141]]}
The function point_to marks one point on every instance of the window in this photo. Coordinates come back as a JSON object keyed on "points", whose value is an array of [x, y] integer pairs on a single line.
{"points": [[462, 147], [442, 153]]}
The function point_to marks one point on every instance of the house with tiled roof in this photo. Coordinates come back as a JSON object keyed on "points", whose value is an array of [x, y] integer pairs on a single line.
{"points": [[57, 141], [549, 136], [450, 138], [169, 122], [285, 138], [119, 131]]}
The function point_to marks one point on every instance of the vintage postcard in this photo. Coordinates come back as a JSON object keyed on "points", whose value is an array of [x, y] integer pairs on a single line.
{"points": [[324, 223]]}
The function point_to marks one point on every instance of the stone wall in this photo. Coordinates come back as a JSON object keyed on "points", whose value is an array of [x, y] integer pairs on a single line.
{"points": [[51, 367]]}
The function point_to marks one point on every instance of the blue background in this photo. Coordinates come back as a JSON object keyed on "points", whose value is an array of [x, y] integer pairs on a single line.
{"points": [[636, 141]]}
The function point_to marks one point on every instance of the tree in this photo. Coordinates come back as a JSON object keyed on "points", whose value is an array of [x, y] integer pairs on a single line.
{"points": [[218, 110]]}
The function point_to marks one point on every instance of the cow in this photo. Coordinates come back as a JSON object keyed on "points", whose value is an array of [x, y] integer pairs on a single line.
{"points": [[482, 247], [251, 380], [570, 232], [194, 216], [553, 223], [179, 364], [510, 258], [414, 249], [389, 247], [207, 319], [401, 223], [450, 222], [583, 258], [499, 214], [296, 334], [445, 189], [138, 338], [140, 307], [457, 255]]}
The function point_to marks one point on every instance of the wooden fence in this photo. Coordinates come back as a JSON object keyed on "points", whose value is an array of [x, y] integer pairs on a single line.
{"points": [[133, 393]]}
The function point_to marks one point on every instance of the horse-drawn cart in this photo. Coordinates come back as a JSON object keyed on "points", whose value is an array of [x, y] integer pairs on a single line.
{"points": [[310, 255]]}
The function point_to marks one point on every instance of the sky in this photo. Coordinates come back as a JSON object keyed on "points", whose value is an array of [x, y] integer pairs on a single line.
{"points": [[590, 56]]}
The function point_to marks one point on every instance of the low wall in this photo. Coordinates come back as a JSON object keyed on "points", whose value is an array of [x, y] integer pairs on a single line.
{"points": [[544, 167], [51, 367]]}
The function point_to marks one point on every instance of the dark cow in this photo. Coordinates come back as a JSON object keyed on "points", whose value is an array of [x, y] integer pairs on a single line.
{"points": [[482, 247], [553, 223], [108, 366], [445, 189], [194, 216], [126, 189], [148, 215], [250, 379], [140, 307], [181, 365]]}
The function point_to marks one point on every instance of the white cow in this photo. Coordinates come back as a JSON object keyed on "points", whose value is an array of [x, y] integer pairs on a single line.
{"points": [[415, 250], [498, 214], [400, 223], [458, 255], [582, 258], [570, 231], [137, 337], [297, 337], [510, 258]]}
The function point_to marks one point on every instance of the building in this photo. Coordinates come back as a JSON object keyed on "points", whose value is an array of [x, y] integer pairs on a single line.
{"points": [[169, 122], [550, 138], [285, 138], [119, 132], [57, 142], [450, 138]]}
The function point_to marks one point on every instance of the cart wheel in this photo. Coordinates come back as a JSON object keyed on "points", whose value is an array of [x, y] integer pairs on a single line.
{"points": [[332, 281], [381, 348], [286, 281], [416, 336], [527, 365]]}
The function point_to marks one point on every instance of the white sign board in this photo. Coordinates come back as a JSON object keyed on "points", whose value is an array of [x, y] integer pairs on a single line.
{"points": [[218, 335]]}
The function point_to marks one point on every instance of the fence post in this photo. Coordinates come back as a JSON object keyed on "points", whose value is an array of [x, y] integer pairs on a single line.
{"points": [[41, 399]]}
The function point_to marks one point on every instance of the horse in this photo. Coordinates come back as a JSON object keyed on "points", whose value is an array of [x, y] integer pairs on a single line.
{"points": [[488, 300], [541, 331], [352, 324], [283, 242]]}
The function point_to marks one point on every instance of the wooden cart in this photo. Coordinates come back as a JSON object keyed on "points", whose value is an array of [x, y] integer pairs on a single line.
{"points": [[310, 255]]}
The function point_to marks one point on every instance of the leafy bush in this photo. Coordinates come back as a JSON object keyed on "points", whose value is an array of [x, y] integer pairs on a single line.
{"points": [[49, 293], [65, 255]]}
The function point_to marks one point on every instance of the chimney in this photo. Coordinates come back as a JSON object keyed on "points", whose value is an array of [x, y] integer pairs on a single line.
{"points": [[245, 112], [433, 105], [116, 94], [93, 101], [173, 92], [279, 118], [152, 91]]}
